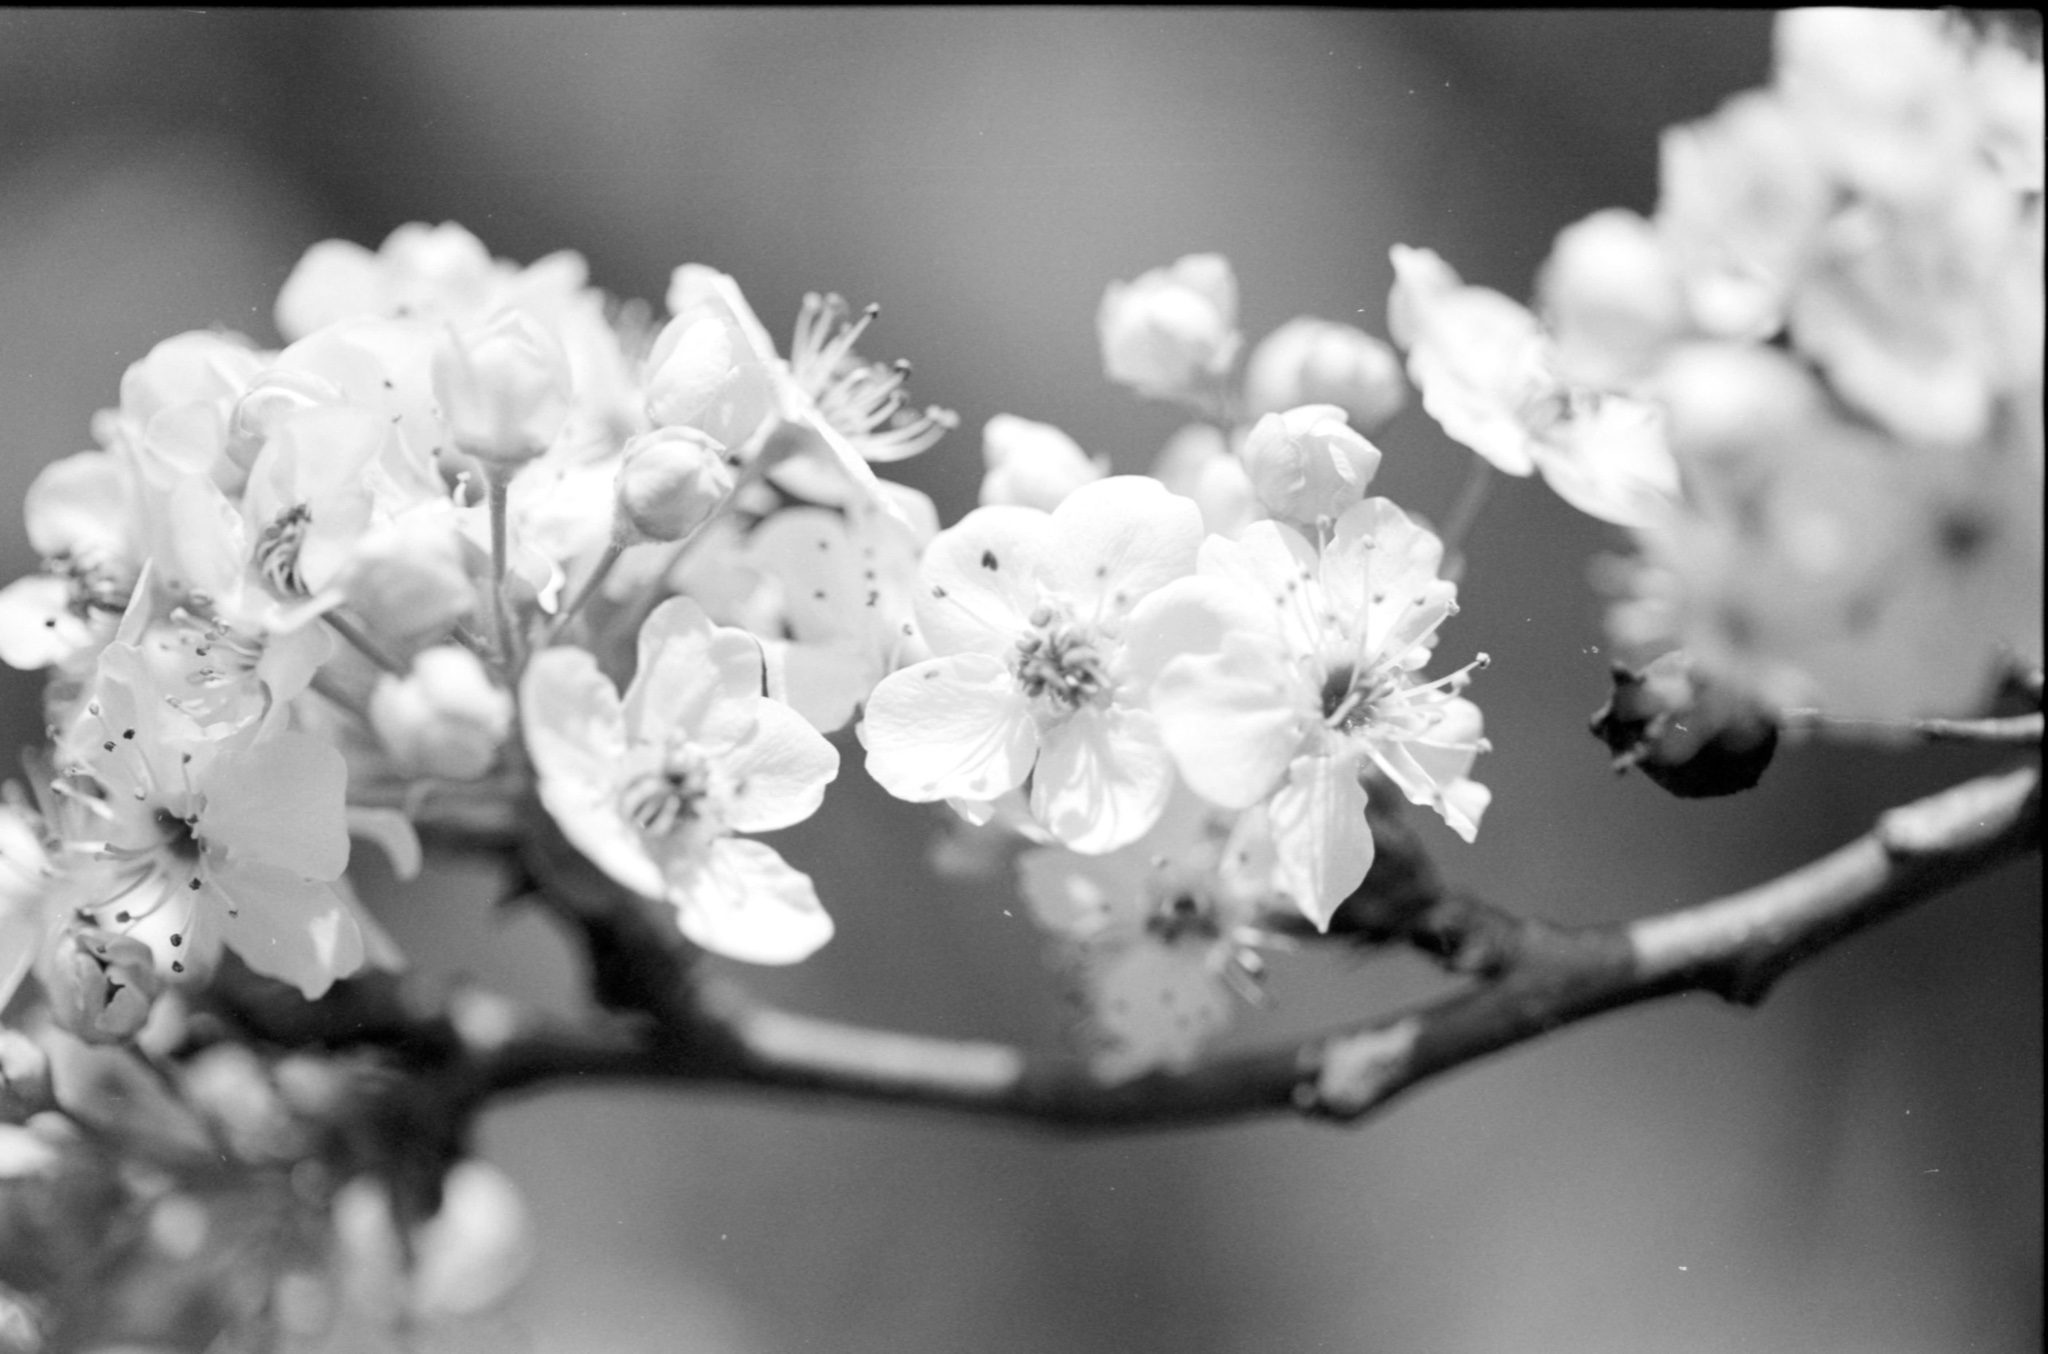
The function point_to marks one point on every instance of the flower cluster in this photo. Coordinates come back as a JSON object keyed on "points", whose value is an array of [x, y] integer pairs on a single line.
{"points": [[1810, 381]]}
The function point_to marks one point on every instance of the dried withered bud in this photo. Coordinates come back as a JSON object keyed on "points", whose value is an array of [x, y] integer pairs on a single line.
{"points": [[1692, 735]]}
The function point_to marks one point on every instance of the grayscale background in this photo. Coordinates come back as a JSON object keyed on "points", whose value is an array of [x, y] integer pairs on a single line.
{"points": [[1854, 1169]]}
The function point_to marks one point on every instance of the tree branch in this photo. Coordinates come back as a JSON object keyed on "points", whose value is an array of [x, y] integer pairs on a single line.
{"points": [[1543, 977]]}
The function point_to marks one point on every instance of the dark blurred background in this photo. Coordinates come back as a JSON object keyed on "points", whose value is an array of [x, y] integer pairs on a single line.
{"points": [[1855, 1168]]}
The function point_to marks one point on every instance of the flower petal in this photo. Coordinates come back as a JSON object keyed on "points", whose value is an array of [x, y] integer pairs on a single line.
{"points": [[1102, 778], [1232, 720], [299, 930], [1320, 832], [745, 902], [779, 773], [1119, 538], [949, 728], [281, 802], [982, 578]]}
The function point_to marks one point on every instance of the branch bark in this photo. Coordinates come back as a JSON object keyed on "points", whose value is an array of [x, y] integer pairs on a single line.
{"points": [[1538, 977]]}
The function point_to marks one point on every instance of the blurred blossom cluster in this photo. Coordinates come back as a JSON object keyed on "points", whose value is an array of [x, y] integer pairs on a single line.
{"points": [[480, 540]]}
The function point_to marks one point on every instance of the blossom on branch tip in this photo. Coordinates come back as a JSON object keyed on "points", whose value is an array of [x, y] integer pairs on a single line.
{"points": [[1308, 464], [653, 787], [1281, 674], [1172, 332], [504, 388], [1025, 612]]}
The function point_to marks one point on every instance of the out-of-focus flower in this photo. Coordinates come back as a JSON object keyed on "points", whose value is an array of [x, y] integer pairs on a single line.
{"points": [[844, 588], [1879, 95], [1308, 464], [1197, 463], [176, 403], [504, 388], [423, 272], [81, 516], [1816, 563], [406, 578], [1172, 332], [1740, 199], [1160, 933], [444, 718], [669, 483], [1026, 613], [653, 787], [1283, 675], [464, 1259], [1033, 465], [1311, 361], [1611, 300], [1488, 376]]}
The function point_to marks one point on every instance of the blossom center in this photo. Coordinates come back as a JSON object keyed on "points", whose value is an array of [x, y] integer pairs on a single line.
{"points": [[1060, 661], [671, 795], [277, 550], [1351, 696], [94, 586], [863, 401]]}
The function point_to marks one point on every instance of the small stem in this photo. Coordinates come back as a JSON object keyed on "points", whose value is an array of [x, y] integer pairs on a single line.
{"points": [[332, 690], [498, 486], [1464, 512], [369, 648], [2008, 730], [613, 549]]}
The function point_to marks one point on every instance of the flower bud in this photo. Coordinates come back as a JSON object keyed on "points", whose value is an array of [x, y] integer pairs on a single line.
{"points": [[1311, 361], [470, 1254], [504, 388], [24, 1077], [444, 718], [100, 983], [670, 482], [1197, 463], [1032, 465], [1612, 300], [405, 577], [1307, 463], [1173, 331], [277, 394], [1692, 735]]}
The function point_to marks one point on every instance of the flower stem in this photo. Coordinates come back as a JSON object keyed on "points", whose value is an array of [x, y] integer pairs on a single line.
{"points": [[369, 648], [498, 485], [1464, 512], [598, 574]]}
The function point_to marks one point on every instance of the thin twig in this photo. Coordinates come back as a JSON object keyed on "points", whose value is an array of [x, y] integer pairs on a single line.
{"points": [[1549, 977]]}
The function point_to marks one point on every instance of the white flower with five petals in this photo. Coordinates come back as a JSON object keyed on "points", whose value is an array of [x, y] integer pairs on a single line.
{"points": [[653, 786], [1026, 612], [1284, 675]]}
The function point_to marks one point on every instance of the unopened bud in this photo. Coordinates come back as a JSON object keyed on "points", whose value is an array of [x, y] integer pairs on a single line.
{"points": [[278, 393], [1692, 735], [443, 719], [1611, 299], [405, 576], [504, 388], [1173, 331], [24, 1078], [1032, 465], [100, 983], [670, 482], [1311, 361], [1308, 463]]}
